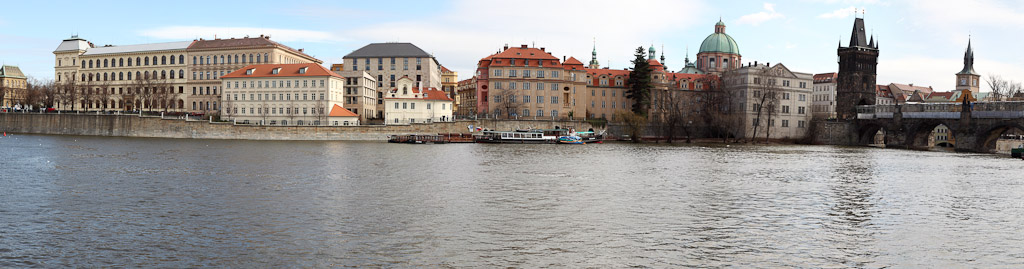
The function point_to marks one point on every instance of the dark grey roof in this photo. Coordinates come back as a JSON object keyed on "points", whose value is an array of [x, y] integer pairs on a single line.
{"points": [[858, 38], [374, 50]]}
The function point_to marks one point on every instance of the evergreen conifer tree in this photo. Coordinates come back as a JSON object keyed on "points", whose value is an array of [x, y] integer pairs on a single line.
{"points": [[640, 83]]}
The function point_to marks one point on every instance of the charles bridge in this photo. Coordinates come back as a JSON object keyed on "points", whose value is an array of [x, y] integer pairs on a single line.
{"points": [[975, 126]]}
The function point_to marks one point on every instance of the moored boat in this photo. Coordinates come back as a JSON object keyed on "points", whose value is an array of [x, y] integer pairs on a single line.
{"points": [[570, 139], [532, 136]]}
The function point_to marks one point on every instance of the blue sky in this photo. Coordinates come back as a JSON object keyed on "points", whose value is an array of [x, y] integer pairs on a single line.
{"points": [[921, 42]]}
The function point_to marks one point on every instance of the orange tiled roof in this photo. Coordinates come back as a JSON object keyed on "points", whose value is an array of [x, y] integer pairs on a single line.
{"points": [[338, 111], [287, 70], [524, 53]]}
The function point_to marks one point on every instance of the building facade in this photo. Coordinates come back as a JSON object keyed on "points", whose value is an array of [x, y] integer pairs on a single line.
{"points": [[284, 94], [788, 117], [13, 87], [855, 83], [524, 82], [172, 76], [466, 90], [410, 102], [361, 94], [449, 81], [824, 96], [607, 89]]}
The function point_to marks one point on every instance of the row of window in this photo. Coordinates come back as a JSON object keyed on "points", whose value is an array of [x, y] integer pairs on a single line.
{"points": [[524, 86], [207, 75], [406, 105], [230, 59], [512, 73], [137, 104], [512, 98], [275, 96], [526, 62], [785, 123], [275, 110], [138, 75], [380, 64], [526, 113], [138, 61], [785, 109], [271, 84]]}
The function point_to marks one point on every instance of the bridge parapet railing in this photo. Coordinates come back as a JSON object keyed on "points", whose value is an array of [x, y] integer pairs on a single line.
{"points": [[999, 106]]}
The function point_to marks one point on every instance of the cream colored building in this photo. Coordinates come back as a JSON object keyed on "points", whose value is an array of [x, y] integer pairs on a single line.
{"points": [[794, 100], [14, 84], [285, 94], [450, 81], [409, 103], [361, 94], [823, 98], [186, 73]]}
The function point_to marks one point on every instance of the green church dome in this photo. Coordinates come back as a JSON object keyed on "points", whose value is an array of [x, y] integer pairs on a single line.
{"points": [[719, 42]]}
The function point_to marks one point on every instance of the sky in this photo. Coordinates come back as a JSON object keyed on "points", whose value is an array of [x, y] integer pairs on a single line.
{"points": [[921, 42]]}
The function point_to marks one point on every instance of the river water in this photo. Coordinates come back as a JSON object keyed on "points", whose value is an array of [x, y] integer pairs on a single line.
{"points": [[135, 202]]}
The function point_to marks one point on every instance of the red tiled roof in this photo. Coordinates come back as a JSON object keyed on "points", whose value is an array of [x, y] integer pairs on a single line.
{"points": [[524, 53], [826, 77], [338, 111], [287, 70], [444, 69], [572, 61], [653, 62]]}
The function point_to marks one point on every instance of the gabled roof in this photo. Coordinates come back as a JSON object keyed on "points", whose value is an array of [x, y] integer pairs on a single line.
{"points": [[10, 71], [338, 111], [825, 77], [523, 52], [287, 70], [247, 42], [180, 45], [73, 44], [425, 93], [375, 50]]}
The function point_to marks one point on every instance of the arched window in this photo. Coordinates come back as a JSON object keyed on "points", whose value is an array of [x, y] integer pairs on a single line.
{"points": [[222, 59], [214, 61], [105, 63], [250, 59], [104, 77], [193, 105], [90, 77], [172, 59], [181, 60], [120, 62], [163, 60], [181, 104], [129, 75], [236, 58], [83, 63], [154, 60], [208, 59], [147, 61], [194, 60], [266, 57], [181, 73], [120, 76], [163, 74], [138, 75], [83, 77], [90, 63]]}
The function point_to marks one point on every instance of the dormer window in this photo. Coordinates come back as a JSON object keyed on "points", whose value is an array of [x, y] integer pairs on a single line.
{"points": [[276, 71], [249, 71], [303, 70]]}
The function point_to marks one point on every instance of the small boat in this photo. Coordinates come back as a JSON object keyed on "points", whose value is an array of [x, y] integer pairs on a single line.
{"points": [[1017, 152], [572, 139], [532, 136]]}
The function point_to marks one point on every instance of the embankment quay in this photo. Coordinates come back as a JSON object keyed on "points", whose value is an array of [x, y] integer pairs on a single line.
{"points": [[165, 127]]}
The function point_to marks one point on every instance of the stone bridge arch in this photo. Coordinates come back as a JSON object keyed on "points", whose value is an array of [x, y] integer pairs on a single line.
{"points": [[986, 137], [919, 131]]}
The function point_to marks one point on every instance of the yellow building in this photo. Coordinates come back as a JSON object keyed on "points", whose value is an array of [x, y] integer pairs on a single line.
{"points": [[449, 81], [530, 83], [13, 86]]}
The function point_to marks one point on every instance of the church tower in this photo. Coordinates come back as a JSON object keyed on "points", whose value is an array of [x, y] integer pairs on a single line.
{"points": [[594, 64], [967, 79], [855, 83]]}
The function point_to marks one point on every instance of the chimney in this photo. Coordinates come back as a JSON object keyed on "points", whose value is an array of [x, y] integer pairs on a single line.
{"points": [[768, 64], [563, 58], [911, 84], [523, 46], [755, 63], [302, 50], [541, 48], [506, 46]]}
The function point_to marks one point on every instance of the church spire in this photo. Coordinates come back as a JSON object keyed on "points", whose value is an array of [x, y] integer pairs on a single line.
{"points": [[594, 64], [651, 53], [968, 60]]}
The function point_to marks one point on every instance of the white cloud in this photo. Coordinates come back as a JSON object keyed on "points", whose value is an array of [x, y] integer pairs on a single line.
{"points": [[283, 35], [841, 13], [755, 19], [460, 36], [979, 12]]}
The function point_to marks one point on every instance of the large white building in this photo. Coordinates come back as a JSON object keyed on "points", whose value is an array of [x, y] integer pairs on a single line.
{"points": [[792, 114], [388, 62], [285, 94], [409, 103], [184, 74]]}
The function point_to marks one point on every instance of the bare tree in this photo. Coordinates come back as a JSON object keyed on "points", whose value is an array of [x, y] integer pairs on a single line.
{"points": [[766, 94], [45, 90], [719, 105], [104, 95], [130, 95], [33, 93], [506, 102], [292, 109], [69, 93], [675, 112], [165, 94], [319, 107], [634, 124], [1001, 88], [145, 89]]}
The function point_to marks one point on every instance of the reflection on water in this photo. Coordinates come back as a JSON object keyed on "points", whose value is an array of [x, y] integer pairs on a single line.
{"points": [[101, 202]]}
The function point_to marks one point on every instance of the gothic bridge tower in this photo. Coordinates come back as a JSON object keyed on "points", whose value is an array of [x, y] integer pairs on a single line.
{"points": [[855, 83]]}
